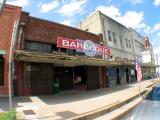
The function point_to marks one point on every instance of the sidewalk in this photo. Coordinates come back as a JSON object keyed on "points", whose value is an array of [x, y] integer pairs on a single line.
{"points": [[75, 104]]}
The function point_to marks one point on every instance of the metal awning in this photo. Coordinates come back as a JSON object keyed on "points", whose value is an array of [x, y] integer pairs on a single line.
{"points": [[63, 59]]}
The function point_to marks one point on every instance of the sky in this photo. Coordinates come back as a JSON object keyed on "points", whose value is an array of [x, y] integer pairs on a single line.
{"points": [[141, 15]]}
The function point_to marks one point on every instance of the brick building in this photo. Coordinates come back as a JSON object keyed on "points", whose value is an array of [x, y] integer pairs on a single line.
{"points": [[7, 20], [42, 67]]}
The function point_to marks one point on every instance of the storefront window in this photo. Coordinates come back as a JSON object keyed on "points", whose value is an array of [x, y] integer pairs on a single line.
{"points": [[1, 72], [38, 47]]}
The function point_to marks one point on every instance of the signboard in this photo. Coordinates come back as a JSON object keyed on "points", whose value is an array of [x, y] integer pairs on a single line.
{"points": [[88, 47], [146, 57]]}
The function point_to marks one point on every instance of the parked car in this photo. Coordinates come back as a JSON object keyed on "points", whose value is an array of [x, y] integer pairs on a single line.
{"points": [[149, 108]]}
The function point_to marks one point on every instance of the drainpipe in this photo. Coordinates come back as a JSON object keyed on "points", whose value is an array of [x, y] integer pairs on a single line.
{"points": [[133, 45], [157, 64], [13, 39], [102, 27], [130, 31]]}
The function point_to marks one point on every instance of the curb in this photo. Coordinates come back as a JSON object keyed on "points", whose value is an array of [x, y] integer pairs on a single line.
{"points": [[102, 111]]}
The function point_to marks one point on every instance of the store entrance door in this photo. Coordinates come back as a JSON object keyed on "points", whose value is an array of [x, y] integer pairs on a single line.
{"points": [[64, 77], [127, 75]]}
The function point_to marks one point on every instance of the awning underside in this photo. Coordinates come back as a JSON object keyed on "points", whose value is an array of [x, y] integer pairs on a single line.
{"points": [[63, 59]]}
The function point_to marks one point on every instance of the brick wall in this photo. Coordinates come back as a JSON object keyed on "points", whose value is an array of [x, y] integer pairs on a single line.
{"points": [[7, 19], [39, 30]]}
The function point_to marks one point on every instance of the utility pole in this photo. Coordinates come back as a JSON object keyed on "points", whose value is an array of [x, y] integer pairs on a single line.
{"points": [[2, 3], [157, 63], [13, 40]]}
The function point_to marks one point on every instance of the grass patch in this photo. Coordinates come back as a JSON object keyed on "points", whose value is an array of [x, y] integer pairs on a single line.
{"points": [[6, 115]]}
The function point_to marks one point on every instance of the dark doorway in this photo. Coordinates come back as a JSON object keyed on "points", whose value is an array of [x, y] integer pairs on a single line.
{"points": [[118, 76], [80, 73], [127, 75], [1, 72], [93, 79], [80, 78], [135, 71], [64, 76]]}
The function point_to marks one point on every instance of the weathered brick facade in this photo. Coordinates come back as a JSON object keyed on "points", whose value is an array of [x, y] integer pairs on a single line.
{"points": [[36, 30], [46, 31], [9, 15], [43, 31]]}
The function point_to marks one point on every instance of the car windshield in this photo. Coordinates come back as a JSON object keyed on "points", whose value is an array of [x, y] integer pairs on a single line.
{"points": [[154, 94]]}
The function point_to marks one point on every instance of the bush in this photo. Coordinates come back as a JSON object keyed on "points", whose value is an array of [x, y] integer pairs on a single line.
{"points": [[6, 115]]}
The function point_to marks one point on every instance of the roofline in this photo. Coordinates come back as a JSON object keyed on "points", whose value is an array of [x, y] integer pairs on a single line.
{"points": [[61, 24], [113, 19], [25, 12], [136, 32], [13, 6], [93, 13]]}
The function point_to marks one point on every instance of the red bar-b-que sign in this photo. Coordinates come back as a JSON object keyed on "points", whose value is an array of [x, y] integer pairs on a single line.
{"points": [[81, 45]]}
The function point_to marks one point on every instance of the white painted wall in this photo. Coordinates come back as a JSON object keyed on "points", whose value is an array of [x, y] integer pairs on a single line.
{"points": [[100, 23], [117, 49], [91, 23]]}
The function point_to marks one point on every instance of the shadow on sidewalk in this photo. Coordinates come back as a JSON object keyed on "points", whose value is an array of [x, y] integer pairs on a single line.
{"points": [[4, 102]]}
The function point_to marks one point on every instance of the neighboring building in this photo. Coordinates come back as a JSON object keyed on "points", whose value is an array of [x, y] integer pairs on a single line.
{"points": [[125, 43], [138, 44], [8, 18], [148, 60]]}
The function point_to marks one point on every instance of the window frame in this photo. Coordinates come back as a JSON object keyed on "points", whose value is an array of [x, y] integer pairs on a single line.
{"points": [[2, 74], [109, 35], [114, 37], [126, 40]]}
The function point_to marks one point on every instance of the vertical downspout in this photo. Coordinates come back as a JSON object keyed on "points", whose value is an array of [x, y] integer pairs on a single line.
{"points": [[102, 27], [130, 31]]}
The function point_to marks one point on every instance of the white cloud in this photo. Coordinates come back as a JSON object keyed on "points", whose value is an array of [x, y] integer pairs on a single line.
{"points": [[136, 1], [110, 11], [66, 22], [157, 50], [21, 3], [131, 19], [157, 2], [153, 41], [156, 27], [156, 41], [47, 7], [73, 7], [158, 35], [147, 30]]}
